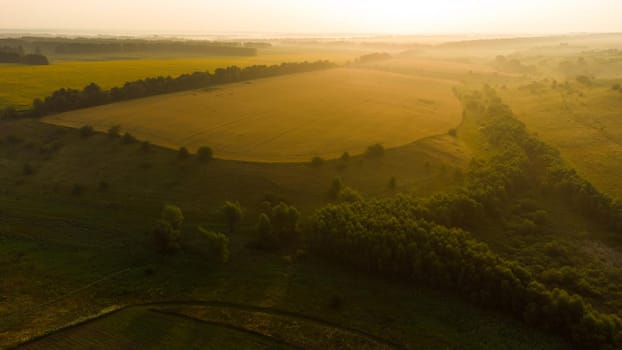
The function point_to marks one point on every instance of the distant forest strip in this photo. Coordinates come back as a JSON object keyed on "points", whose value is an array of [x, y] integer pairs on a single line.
{"points": [[61, 46], [10, 54], [64, 100], [425, 240]]}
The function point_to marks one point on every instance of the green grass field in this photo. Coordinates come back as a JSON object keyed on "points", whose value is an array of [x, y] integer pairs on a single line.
{"points": [[291, 118], [21, 84], [585, 125]]}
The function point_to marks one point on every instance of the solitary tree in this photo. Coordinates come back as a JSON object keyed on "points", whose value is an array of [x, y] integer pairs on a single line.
{"points": [[232, 212], [167, 232], [335, 187]]}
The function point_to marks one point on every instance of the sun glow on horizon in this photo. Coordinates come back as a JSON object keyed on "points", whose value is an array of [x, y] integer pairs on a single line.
{"points": [[319, 16]]}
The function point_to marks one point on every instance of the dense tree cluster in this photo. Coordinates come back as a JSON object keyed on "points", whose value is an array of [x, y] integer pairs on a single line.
{"points": [[381, 237], [16, 55], [63, 100], [166, 234], [423, 239], [277, 224], [374, 57]]}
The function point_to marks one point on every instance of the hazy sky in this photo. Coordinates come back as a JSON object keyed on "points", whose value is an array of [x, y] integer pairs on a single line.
{"points": [[316, 16]]}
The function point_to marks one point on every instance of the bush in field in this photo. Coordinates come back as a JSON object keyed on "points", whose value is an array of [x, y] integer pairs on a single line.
{"points": [[205, 154], [128, 139], [217, 245], [146, 146], [232, 213], [349, 195], [86, 131], [166, 234], [335, 188], [375, 151], [345, 156], [114, 131], [183, 153]]}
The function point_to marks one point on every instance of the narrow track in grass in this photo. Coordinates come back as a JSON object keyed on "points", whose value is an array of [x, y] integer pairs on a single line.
{"points": [[152, 306]]}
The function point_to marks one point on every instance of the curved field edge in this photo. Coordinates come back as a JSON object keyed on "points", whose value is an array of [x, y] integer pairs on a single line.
{"points": [[324, 114]]}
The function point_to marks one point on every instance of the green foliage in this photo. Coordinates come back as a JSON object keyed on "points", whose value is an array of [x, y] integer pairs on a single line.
{"points": [[86, 131], [114, 131], [166, 234], [232, 213], [183, 153], [265, 234], [335, 188], [375, 151], [205, 154], [173, 216], [217, 243], [349, 195], [284, 220]]}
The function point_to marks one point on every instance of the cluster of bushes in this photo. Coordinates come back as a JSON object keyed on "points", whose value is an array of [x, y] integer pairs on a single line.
{"points": [[381, 237], [277, 225], [63, 100]]}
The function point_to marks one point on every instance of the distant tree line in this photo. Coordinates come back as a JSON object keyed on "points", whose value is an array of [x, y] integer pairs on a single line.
{"points": [[16, 55], [423, 240], [374, 57], [63, 100], [117, 45]]}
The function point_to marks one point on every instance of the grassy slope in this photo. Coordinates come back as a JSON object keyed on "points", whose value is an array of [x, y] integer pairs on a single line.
{"points": [[290, 118], [54, 244], [586, 126]]}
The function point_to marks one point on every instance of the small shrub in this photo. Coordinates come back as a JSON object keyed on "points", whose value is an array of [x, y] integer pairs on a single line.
{"points": [[146, 146], [453, 132], [128, 139], [114, 131], [232, 213], [345, 156], [205, 154], [86, 131], [183, 153], [375, 151], [217, 244], [349, 195]]}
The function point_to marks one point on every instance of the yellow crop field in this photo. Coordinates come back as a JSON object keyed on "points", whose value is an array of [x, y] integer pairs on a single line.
{"points": [[20, 84], [288, 118], [586, 126]]}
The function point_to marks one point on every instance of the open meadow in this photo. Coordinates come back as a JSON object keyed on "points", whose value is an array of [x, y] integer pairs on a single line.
{"points": [[292, 118]]}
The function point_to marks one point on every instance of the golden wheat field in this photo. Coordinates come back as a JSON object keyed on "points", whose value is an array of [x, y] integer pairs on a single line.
{"points": [[291, 118]]}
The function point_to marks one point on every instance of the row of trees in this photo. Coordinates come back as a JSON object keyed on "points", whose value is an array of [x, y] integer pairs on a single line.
{"points": [[411, 238], [381, 237], [17, 55], [63, 100]]}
